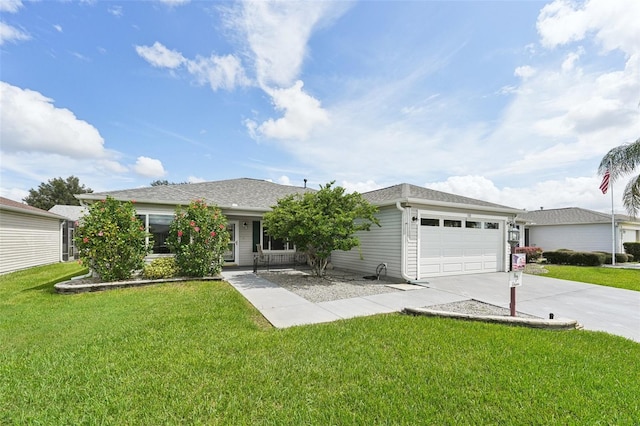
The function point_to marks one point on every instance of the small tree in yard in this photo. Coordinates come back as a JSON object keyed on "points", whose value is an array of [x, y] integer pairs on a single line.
{"points": [[320, 222], [198, 236], [111, 240]]}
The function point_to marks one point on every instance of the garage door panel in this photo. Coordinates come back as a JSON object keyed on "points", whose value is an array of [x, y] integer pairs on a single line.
{"points": [[473, 266], [452, 267]]}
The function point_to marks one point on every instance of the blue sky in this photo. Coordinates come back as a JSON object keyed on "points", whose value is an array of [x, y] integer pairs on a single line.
{"points": [[510, 102]]}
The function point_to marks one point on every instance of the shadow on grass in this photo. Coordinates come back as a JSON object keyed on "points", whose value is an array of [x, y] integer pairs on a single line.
{"points": [[49, 285]]}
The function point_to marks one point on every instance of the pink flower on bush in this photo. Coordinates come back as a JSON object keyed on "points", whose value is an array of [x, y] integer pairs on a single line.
{"points": [[192, 223], [180, 234], [100, 234], [197, 229], [213, 233], [221, 226], [85, 240]]}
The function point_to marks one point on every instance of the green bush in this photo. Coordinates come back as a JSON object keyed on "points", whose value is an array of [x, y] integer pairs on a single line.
{"points": [[567, 257], [111, 240], [620, 257], [198, 236], [533, 253], [632, 249], [164, 267]]}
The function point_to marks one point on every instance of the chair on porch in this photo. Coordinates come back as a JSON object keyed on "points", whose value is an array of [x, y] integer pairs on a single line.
{"points": [[260, 258]]}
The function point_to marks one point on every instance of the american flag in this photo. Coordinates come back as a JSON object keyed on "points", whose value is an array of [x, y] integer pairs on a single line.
{"points": [[604, 186]]}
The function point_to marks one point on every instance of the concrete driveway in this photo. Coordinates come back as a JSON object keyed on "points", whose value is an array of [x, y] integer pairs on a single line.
{"points": [[597, 308]]}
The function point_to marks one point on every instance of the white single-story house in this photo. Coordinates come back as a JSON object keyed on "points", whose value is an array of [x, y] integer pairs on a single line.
{"points": [[578, 229], [424, 233], [28, 236]]}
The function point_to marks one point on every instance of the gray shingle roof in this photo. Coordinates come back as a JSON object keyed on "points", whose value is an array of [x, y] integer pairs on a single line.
{"points": [[569, 215], [232, 193], [406, 191], [248, 193]]}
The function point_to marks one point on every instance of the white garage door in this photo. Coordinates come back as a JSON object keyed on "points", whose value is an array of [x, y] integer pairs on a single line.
{"points": [[455, 246]]}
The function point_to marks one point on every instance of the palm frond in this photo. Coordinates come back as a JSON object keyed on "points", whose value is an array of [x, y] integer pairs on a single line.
{"points": [[631, 196], [621, 160]]}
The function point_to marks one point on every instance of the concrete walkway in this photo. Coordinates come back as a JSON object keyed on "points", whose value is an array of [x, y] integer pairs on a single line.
{"points": [[596, 307]]}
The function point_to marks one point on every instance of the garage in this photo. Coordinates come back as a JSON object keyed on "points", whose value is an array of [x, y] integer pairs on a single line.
{"points": [[450, 245]]}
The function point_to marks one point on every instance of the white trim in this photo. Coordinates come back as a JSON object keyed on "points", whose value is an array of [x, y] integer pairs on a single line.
{"points": [[236, 242]]}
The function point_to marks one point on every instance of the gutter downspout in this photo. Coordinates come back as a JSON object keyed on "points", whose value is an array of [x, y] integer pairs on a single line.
{"points": [[403, 245]]}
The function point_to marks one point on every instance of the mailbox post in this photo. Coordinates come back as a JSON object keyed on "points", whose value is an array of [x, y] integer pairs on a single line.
{"points": [[516, 266]]}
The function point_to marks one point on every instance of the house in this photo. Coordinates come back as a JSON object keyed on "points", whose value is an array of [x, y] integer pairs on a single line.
{"points": [[72, 214], [424, 233], [578, 229], [28, 236]]}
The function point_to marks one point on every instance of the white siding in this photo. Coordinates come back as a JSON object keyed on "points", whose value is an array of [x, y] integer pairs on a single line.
{"points": [[27, 240], [630, 234], [380, 245], [594, 237]]}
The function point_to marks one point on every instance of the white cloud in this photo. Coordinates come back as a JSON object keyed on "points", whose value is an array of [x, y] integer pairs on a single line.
{"points": [[11, 34], [555, 193], [58, 28], [284, 180], [194, 179], [10, 6], [224, 72], [149, 167], [116, 11], [161, 57], [277, 33], [361, 187], [302, 113], [218, 71], [524, 71], [614, 23], [31, 123], [174, 3]]}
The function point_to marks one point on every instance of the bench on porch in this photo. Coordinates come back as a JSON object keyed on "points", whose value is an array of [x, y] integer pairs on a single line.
{"points": [[277, 259]]}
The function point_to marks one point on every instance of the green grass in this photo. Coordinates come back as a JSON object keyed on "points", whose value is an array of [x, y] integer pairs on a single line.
{"points": [[198, 353], [612, 277]]}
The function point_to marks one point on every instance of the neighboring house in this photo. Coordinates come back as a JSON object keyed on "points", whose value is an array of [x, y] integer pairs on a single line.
{"points": [[578, 229], [28, 236], [72, 214], [449, 234]]}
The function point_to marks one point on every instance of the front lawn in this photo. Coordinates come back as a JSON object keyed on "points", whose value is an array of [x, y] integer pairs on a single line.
{"points": [[612, 277], [198, 353]]}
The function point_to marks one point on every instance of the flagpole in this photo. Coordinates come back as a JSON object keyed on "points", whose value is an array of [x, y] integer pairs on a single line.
{"points": [[613, 224]]}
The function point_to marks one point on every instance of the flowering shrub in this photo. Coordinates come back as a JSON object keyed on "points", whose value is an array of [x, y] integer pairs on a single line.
{"points": [[533, 253], [198, 236], [111, 240]]}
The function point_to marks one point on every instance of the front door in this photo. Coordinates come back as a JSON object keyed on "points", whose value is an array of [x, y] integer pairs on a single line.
{"points": [[231, 254]]}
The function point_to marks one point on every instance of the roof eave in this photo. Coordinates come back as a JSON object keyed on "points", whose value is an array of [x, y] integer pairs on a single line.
{"points": [[32, 212], [450, 205]]}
